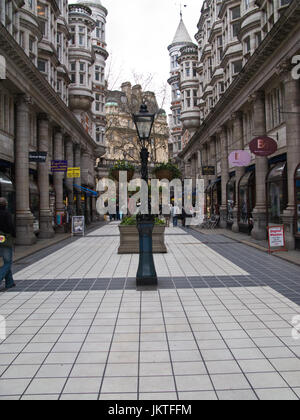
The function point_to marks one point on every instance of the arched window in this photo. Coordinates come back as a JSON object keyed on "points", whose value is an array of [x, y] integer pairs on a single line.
{"points": [[246, 197], [231, 198], [276, 192]]}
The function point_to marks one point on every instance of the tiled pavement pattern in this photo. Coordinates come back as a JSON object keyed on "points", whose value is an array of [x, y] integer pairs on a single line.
{"points": [[218, 327]]}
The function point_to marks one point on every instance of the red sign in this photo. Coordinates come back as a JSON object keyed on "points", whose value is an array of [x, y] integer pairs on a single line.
{"points": [[276, 238], [263, 146]]}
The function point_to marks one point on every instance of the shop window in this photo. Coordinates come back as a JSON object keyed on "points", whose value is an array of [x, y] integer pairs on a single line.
{"points": [[34, 202], [246, 197], [276, 192], [297, 199], [7, 190], [230, 198]]}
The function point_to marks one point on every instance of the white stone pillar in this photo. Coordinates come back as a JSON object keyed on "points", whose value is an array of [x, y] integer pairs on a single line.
{"points": [[239, 171], [58, 176], [24, 217], [261, 169], [69, 181], [46, 228], [77, 181]]}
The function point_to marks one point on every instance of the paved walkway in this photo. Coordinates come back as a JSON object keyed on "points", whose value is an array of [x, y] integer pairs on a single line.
{"points": [[291, 256], [218, 327]]}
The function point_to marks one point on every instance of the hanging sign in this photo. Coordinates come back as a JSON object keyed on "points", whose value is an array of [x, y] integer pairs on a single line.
{"points": [[263, 146], [239, 158], [59, 166], [208, 170], [78, 225], [38, 157], [73, 173], [276, 238]]}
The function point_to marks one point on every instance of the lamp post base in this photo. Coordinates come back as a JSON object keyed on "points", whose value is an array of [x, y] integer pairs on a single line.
{"points": [[146, 275]]}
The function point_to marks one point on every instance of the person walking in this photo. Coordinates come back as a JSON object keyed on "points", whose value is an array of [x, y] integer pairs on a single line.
{"points": [[175, 213], [7, 233]]}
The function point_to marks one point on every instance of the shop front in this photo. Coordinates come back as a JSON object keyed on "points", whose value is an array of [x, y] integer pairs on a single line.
{"points": [[213, 198], [34, 201], [7, 190], [297, 202], [246, 200], [277, 193], [231, 200]]}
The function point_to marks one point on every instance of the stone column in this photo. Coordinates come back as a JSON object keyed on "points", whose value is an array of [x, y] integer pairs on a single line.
{"points": [[24, 218], [224, 175], [239, 171], [77, 181], [69, 181], [261, 169], [85, 181], [58, 176], [46, 228], [292, 112]]}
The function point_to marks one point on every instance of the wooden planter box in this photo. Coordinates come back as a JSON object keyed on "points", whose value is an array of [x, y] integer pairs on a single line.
{"points": [[129, 240]]}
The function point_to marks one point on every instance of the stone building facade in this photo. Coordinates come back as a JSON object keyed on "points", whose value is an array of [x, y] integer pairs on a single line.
{"points": [[122, 142], [47, 107], [187, 75], [248, 87]]}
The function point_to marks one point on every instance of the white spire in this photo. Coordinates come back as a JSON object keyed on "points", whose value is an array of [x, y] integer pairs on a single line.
{"points": [[182, 35]]}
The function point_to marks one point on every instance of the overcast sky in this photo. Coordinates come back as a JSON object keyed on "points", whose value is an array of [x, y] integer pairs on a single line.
{"points": [[138, 33]]}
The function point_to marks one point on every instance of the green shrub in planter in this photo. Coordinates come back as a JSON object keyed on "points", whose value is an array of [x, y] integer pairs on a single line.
{"points": [[131, 221], [167, 171], [121, 165]]}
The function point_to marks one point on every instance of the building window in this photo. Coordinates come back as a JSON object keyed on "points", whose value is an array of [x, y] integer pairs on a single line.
{"points": [[237, 66], [42, 66], [257, 39], [275, 107], [247, 4], [42, 11], [21, 39], [247, 45], [235, 29], [235, 13], [97, 73]]}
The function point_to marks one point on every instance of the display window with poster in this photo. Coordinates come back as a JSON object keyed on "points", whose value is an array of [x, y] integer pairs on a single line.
{"points": [[34, 202], [246, 200], [276, 192], [231, 199]]}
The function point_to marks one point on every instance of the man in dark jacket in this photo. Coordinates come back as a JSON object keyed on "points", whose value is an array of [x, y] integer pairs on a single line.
{"points": [[6, 252]]}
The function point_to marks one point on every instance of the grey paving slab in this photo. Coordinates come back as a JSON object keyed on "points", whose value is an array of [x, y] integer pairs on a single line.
{"points": [[216, 322]]}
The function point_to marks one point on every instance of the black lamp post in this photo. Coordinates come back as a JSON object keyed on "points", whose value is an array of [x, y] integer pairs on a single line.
{"points": [[146, 275]]}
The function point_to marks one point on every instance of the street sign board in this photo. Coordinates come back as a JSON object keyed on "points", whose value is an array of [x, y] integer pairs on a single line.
{"points": [[73, 173], [263, 146], [239, 158], [59, 166], [38, 157], [276, 238], [208, 170], [78, 225]]}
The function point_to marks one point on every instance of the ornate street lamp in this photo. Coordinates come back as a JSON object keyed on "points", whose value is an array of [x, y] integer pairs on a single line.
{"points": [[146, 275]]}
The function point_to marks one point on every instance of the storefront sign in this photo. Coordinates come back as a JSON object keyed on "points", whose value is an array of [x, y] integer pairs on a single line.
{"points": [[78, 225], [73, 173], [240, 158], [59, 166], [263, 146], [38, 157], [208, 170], [276, 238]]}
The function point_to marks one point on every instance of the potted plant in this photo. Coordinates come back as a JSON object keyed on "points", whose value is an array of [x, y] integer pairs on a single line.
{"points": [[129, 237], [167, 171], [120, 166]]}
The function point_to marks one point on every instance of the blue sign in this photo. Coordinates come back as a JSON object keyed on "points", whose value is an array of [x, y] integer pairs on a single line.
{"points": [[59, 166]]}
